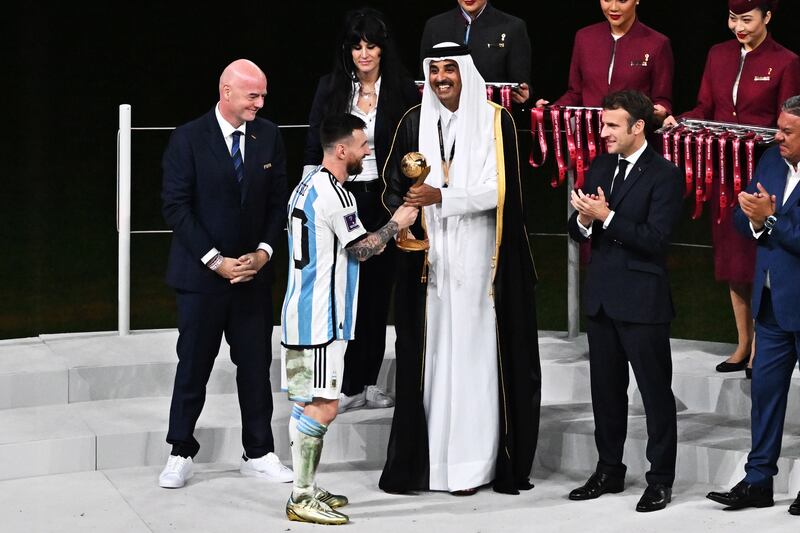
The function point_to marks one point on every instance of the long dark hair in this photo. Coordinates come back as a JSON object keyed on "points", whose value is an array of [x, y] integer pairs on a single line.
{"points": [[365, 24]]}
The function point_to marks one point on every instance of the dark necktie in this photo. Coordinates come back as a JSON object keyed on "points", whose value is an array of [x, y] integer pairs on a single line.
{"points": [[236, 154], [620, 176]]}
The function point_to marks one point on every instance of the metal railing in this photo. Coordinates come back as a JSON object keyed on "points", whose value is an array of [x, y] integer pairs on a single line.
{"points": [[125, 232]]}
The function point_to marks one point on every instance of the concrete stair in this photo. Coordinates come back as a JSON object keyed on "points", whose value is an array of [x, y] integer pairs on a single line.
{"points": [[72, 403]]}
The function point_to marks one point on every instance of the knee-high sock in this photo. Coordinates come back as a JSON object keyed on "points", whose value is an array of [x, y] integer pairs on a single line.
{"points": [[305, 456], [297, 412]]}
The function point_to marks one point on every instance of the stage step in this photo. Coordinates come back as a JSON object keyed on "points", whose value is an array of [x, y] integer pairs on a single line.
{"points": [[58, 369], [82, 402], [123, 433], [108, 434]]}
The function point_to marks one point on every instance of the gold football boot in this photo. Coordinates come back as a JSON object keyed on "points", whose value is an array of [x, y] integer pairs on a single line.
{"points": [[313, 511]]}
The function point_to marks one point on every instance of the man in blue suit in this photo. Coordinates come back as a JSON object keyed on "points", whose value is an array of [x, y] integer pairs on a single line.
{"points": [[769, 211], [224, 196]]}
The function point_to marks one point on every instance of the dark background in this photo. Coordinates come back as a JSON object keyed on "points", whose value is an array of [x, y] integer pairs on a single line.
{"points": [[70, 69]]}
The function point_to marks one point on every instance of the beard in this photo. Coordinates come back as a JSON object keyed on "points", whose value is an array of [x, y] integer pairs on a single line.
{"points": [[355, 168]]}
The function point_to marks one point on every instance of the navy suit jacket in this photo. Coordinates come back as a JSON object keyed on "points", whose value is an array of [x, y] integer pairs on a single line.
{"points": [[206, 207], [778, 252], [627, 272]]}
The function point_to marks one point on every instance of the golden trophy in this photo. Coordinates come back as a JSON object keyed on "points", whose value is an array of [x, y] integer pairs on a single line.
{"points": [[415, 167]]}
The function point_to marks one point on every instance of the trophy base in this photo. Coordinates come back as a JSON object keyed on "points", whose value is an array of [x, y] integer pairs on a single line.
{"points": [[413, 245]]}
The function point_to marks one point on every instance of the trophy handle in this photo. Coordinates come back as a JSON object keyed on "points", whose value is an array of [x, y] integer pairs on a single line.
{"points": [[422, 177]]}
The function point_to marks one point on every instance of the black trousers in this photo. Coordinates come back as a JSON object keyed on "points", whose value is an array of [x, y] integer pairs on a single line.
{"points": [[244, 315], [612, 345], [364, 355]]}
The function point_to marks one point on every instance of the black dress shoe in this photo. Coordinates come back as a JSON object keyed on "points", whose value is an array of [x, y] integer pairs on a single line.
{"points": [[744, 495], [598, 485], [655, 498], [795, 507], [725, 366]]}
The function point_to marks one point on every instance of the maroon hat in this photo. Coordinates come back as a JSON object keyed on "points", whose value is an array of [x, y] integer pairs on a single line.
{"points": [[743, 6]]}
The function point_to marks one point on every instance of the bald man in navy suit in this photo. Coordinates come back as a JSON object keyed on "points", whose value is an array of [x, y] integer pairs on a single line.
{"points": [[224, 196]]}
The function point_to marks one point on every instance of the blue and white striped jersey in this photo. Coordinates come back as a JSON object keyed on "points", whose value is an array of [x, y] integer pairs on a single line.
{"points": [[321, 294]]}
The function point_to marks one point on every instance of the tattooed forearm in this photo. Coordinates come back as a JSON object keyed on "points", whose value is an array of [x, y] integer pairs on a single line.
{"points": [[374, 242]]}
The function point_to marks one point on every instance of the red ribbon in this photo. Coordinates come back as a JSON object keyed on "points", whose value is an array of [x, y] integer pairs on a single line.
{"points": [[750, 149], [591, 142], [737, 169], [699, 194], [676, 145], [537, 130], [709, 166], [667, 147], [688, 164], [505, 96], [570, 134], [490, 92], [602, 148], [722, 142], [580, 169], [555, 116]]}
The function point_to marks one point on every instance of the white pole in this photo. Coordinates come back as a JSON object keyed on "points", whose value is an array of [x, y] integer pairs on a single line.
{"points": [[573, 272], [124, 220]]}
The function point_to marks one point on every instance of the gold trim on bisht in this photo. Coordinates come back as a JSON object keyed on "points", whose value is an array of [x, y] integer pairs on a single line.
{"points": [[501, 188]]}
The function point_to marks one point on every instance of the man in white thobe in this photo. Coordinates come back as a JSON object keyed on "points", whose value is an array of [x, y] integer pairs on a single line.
{"points": [[468, 295]]}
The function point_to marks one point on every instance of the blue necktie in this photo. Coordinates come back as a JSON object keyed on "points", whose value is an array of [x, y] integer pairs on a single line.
{"points": [[236, 154]]}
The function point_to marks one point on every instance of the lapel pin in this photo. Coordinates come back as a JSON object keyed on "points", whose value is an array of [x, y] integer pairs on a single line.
{"points": [[252, 136], [268, 165]]}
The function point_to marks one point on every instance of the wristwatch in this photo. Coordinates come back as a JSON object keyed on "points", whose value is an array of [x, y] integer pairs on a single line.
{"points": [[769, 223]]}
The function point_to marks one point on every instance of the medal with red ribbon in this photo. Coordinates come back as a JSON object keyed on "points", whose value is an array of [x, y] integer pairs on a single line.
{"points": [[591, 142], [709, 167], [676, 145], [666, 145], [722, 143], [750, 149], [569, 133], [555, 116], [699, 194], [580, 169], [537, 131], [505, 96], [737, 169], [688, 164], [602, 148]]}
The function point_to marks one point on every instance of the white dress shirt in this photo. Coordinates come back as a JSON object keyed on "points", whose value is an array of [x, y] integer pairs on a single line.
{"points": [[227, 134]]}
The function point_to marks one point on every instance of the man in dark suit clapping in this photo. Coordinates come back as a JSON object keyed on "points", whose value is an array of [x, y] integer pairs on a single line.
{"points": [[224, 196], [631, 202], [769, 212]]}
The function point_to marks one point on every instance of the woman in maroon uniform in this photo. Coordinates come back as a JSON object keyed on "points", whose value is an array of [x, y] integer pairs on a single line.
{"points": [[620, 53], [746, 80]]}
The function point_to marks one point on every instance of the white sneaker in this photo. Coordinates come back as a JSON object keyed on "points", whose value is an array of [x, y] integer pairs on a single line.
{"points": [[350, 403], [268, 467], [377, 399], [176, 473]]}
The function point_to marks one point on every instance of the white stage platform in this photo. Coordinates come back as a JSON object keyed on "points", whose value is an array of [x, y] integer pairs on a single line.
{"points": [[83, 419]]}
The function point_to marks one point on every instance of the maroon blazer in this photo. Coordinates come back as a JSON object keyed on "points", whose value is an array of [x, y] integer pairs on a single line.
{"points": [[642, 62], [771, 74]]}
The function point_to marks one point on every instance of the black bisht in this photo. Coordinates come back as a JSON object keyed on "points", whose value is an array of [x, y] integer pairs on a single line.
{"points": [[407, 462]]}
